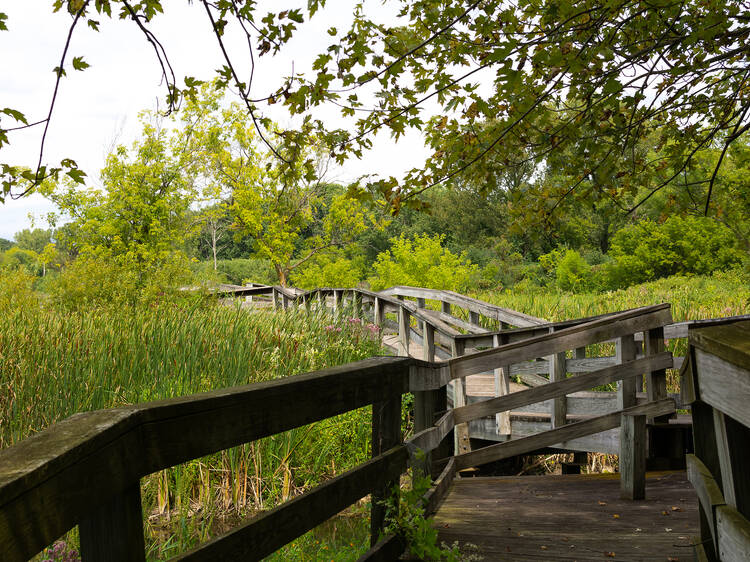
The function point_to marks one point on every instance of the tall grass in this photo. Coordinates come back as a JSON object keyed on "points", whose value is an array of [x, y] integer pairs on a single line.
{"points": [[692, 298], [55, 364]]}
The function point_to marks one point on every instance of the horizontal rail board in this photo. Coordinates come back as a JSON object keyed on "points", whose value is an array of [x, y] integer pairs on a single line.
{"points": [[548, 438], [561, 388], [569, 338], [266, 533]]}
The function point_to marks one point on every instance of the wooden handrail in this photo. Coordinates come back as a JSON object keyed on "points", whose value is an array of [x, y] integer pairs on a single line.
{"points": [[41, 491]]}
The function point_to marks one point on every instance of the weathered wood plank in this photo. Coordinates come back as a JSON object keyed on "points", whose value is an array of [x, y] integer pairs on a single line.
{"points": [[548, 438], [723, 385], [558, 373], [730, 342], [269, 531], [708, 491], [733, 534], [561, 388], [461, 431], [568, 518], [633, 457]]}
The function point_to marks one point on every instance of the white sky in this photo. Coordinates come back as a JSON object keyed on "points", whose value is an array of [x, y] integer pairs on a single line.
{"points": [[98, 107]]}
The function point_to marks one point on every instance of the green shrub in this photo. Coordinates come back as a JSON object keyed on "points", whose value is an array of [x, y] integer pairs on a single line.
{"points": [[680, 245], [329, 271], [240, 271], [572, 272], [422, 262], [90, 281]]}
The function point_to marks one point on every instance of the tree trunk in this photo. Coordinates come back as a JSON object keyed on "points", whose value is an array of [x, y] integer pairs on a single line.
{"points": [[281, 272]]}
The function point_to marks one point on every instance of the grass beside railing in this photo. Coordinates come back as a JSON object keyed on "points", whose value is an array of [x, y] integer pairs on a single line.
{"points": [[55, 364]]}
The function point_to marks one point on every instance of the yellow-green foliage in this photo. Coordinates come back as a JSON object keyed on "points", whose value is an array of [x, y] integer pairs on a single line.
{"points": [[422, 262]]}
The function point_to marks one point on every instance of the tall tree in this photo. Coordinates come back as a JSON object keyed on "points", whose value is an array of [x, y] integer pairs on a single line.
{"points": [[620, 70]]}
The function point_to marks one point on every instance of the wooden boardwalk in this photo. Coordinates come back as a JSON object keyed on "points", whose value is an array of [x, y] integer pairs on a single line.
{"points": [[574, 517]]}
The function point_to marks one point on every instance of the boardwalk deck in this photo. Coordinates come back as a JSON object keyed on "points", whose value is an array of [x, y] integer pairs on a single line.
{"points": [[575, 517]]}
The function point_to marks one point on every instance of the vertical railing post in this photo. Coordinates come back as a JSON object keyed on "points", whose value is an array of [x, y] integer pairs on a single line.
{"points": [[379, 313], [461, 432], [404, 319], [656, 381], [274, 298], [386, 433], [336, 303], [427, 402], [114, 530], [626, 388], [421, 324], [557, 372], [502, 387], [633, 457]]}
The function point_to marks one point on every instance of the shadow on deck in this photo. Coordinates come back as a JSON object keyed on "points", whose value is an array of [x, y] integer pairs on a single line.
{"points": [[572, 517]]}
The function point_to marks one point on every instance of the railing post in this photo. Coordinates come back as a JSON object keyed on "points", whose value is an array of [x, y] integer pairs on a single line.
{"points": [[502, 387], [403, 331], [557, 372], [386, 433], [114, 530], [626, 388], [337, 301], [357, 304], [379, 313], [461, 431], [421, 304], [633, 457], [656, 381], [274, 298]]}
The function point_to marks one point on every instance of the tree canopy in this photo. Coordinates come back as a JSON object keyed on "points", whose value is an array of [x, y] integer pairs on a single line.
{"points": [[631, 90]]}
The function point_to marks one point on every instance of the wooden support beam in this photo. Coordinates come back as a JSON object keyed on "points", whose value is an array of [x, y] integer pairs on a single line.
{"points": [[114, 530], [386, 433], [656, 381], [557, 373], [421, 324], [502, 388], [633, 457], [461, 431], [404, 329]]}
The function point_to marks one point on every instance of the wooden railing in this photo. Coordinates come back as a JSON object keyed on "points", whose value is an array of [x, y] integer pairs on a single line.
{"points": [[716, 384], [86, 469]]}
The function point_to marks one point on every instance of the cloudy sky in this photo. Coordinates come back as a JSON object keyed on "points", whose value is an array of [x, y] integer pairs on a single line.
{"points": [[98, 108]]}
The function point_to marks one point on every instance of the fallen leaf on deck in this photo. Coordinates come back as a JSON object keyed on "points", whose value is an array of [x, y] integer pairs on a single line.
{"points": [[675, 508], [610, 554], [602, 503], [664, 513], [615, 516], [668, 529], [673, 559], [543, 547]]}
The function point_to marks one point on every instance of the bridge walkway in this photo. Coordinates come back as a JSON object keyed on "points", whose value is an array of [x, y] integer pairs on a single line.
{"points": [[524, 518]]}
